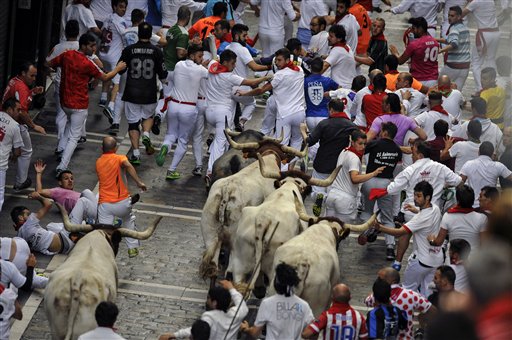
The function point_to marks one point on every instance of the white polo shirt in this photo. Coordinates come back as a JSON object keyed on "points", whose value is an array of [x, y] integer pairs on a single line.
{"points": [[81, 14], [425, 8], [319, 43], [413, 105], [351, 27], [355, 110], [288, 88], [425, 169], [310, 9], [465, 226], [114, 27], [243, 57], [343, 65], [11, 274], [343, 181], [484, 12], [453, 103], [38, 238], [490, 133], [423, 224], [219, 87], [170, 10], [463, 152], [427, 119], [10, 137], [272, 14], [482, 172], [187, 80], [347, 96]]}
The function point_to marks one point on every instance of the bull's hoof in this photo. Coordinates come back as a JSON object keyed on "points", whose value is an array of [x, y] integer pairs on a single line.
{"points": [[259, 292]]}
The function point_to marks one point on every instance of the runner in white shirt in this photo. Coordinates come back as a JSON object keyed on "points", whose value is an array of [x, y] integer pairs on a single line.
{"points": [[170, 10], [483, 171], [244, 62], [426, 8], [453, 99], [427, 119], [101, 9], [309, 9], [461, 221], [341, 198], [347, 96], [425, 257], [182, 108], [9, 307], [487, 37], [351, 27], [458, 254], [219, 85], [355, 110], [271, 23], [10, 139], [413, 104], [77, 11], [319, 43], [463, 151], [341, 58]]}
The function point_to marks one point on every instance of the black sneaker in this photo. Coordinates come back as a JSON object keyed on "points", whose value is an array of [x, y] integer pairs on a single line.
{"points": [[157, 120], [209, 140], [113, 130], [58, 152], [82, 140], [23, 186], [102, 103], [390, 254], [107, 112]]}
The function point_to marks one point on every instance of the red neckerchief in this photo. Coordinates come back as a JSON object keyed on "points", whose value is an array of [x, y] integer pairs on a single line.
{"points": [[379, 37], [217, 68], [340, 44], [445, 90], [439, 109], [338, 115], [393, 72], [359, 154], [292, 66], [370, 87], [458, 210]]}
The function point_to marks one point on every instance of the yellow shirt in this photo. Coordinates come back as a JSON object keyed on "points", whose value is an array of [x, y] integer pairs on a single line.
{"points": [[495, 98]]}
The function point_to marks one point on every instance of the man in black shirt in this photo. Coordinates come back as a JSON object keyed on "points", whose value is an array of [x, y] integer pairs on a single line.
{"points": [[333, 136], [378, 48], [144, 63], [382, 152]]}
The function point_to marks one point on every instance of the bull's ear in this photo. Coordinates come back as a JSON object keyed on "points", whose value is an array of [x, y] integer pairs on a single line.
{"points": [[115, 239], [307, 191], [277, 184], [311, 222]]}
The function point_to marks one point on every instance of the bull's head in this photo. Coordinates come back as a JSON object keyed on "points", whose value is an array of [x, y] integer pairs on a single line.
{"points": [[340, 229], [116, 233]]}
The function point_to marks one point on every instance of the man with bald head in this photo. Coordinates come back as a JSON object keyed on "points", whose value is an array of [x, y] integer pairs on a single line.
{"points": [[114, 197], [405, 299], [453, 100], [411, 97], [339, 316], [506, 156]]}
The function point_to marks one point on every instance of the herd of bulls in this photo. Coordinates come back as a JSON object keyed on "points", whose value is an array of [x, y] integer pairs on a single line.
{"points": [[253, 219]]}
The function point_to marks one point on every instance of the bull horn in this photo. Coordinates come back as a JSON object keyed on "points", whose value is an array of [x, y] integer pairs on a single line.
{"points": [[264, 172], [71, 227], [241, 146], [295, 152], [325, 182], [299, 207], [275, 140], [227, 130], [140, 235], [362, 227]]}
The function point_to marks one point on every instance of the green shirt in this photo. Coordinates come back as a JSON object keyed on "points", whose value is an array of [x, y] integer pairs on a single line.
{"points": [[177, 37]]}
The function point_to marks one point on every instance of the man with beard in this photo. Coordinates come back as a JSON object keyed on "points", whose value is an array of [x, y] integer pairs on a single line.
{"points": [[318, 45]]}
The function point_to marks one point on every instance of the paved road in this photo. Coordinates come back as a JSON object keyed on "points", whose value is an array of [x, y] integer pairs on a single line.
{"points": [[160, 290]]}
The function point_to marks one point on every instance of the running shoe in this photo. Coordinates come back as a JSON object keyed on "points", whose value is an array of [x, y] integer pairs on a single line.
{"points": [[107, 112], [58, 172], [198, 171], [157, 120], [133, 252], [160, 158], [135, 160], [23, 186], [172, 175], [390, 254], [102, 103], [147, 144], [317, 206], [113, 130], [82, 140]]}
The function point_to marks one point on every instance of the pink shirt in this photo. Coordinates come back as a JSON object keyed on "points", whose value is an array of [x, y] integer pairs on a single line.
{"points": [[67, 198], [423, 53]]}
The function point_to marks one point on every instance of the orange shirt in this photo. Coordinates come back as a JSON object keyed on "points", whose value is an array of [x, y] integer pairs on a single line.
{"points": [[111, 178], [203, 27], [363, 19], [391, 82]]}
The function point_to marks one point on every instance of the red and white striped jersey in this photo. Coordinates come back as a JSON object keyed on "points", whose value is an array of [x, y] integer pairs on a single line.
{"points": [[341, 322]]}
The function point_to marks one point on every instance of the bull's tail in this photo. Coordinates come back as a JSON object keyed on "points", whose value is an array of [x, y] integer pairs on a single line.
{"points": [[75, 303], [302, 273], [208, 267]]}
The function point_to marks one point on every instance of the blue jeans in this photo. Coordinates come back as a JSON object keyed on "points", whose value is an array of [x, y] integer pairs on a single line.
{"points": [[304, 35]]}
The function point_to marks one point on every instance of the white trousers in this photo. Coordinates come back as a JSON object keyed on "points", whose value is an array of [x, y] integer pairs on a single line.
{"points": [[248, 102], [318, 190], [341, 205], [312, 122], [122, 209], [417, 276], [61, 119], [487, 59], [72, 133], [23, 161], [270, 43], [183, 117], [86, 208], [2, 187], [166, 88], [291, 126], [197, 134], [215, 116], [269, 117], [457, 76]]}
